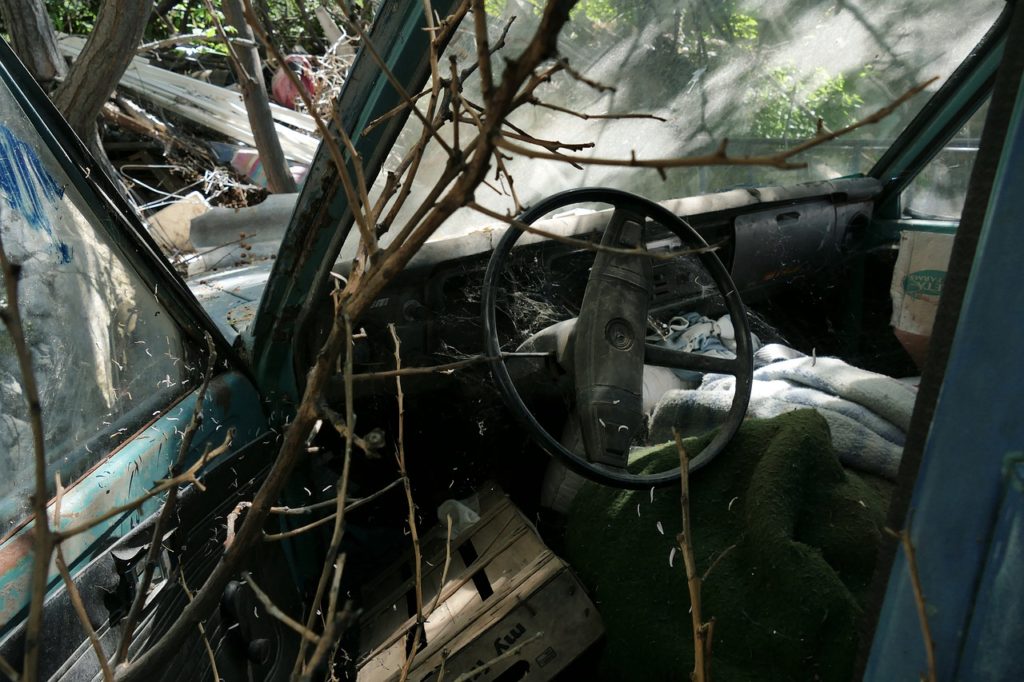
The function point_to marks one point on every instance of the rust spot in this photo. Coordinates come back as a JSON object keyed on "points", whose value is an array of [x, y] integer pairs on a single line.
{"points": [[14, 552]]}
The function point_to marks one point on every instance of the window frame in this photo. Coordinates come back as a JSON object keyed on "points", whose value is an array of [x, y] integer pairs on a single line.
{"points": [[118, 224], [115, 216]]}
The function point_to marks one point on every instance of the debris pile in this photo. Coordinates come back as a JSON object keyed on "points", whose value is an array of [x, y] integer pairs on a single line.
{"points": [[178, 133]]}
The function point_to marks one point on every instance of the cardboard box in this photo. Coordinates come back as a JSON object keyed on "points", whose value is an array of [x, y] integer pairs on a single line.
{"points": [[916, 287], [508, 607]]}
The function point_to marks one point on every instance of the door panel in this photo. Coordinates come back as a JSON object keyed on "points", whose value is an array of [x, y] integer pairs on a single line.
{"points": [[246, 639], [129, 472]]}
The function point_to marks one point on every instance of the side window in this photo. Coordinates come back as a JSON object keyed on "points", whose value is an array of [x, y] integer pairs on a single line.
{"points": [[105, 354], [939, 190]]}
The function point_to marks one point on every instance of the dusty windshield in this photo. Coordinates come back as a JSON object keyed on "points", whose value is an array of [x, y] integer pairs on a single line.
{"points": [[671, 79]]}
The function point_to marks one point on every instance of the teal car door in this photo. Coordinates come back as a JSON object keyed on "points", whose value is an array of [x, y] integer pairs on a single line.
{"points": [[119, 349]]}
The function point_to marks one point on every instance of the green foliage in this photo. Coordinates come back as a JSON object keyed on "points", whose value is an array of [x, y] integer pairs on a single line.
{"points": [[601, 11], [73, 16], [789, 104], [743, 26], [291, 21], [495, 7]]}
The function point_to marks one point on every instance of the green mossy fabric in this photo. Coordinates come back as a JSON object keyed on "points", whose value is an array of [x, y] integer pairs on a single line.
{"points": [[800, 536]]}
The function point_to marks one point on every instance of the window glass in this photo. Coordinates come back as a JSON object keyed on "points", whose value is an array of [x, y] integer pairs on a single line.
{"points": [[757, 73], [939, 190], [105, 354]]}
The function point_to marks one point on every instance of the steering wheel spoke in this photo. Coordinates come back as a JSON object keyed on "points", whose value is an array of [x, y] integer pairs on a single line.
{"points": [[608, 359], [661, 356]]}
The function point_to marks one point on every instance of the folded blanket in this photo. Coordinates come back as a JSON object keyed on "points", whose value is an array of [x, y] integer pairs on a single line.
{"points": [[867, 413], [788, 539]]}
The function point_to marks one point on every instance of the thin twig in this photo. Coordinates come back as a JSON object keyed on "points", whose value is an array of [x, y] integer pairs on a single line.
{"points": [[187, 476], [338, 422], [351, 506], [919, 601], [331, 619], [167, 511], [722, 555], [355, 504], [7, 669], [483, 50], [42, 547], [587, 245], [701, 631], [453, 85], [447, 368], [301, 665], [586, 117], [600, 87], [444, 569], [413, 532], [233, 57], [552, 145], [275, 611], [824, 135], [431, 29], [232, 520], [202, 630], [394, 111], [719, 157], [73, 594]]}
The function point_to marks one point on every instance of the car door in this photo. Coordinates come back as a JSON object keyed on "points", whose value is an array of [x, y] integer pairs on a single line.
{"points": [[960, 500], [119, 350]]}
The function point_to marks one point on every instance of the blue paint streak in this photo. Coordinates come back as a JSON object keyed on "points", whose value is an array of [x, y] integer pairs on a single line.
{"points": [[65, 253], [29, 188]]}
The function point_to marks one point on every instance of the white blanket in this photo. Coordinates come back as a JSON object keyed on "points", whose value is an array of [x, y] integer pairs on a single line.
{"points": [[867, 413]]}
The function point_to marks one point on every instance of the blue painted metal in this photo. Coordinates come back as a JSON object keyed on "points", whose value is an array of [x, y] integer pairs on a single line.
{"points": [[230, 297], [125, 475], [966, 552], [997, 628]]}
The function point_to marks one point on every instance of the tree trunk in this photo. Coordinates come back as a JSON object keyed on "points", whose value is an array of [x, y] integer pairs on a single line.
{"points": [[257, 105], [33, 39], [107, 53]]}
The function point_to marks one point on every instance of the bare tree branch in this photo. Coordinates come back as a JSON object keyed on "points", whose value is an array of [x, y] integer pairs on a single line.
{"points": [[187, 476], [42, 538], [275, 611], [362, 222], [413, 531], [351, 506], [202, 631], [167, 511], [702, 632], [76, 598], [919, 601], [249, 69], [329, 568]]}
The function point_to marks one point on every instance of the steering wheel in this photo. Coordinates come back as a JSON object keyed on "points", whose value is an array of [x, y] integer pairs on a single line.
{"points": [[608, 348]]}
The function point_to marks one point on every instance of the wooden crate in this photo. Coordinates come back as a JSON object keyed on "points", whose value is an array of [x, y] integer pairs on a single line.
{"points": [[508, 606]]}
